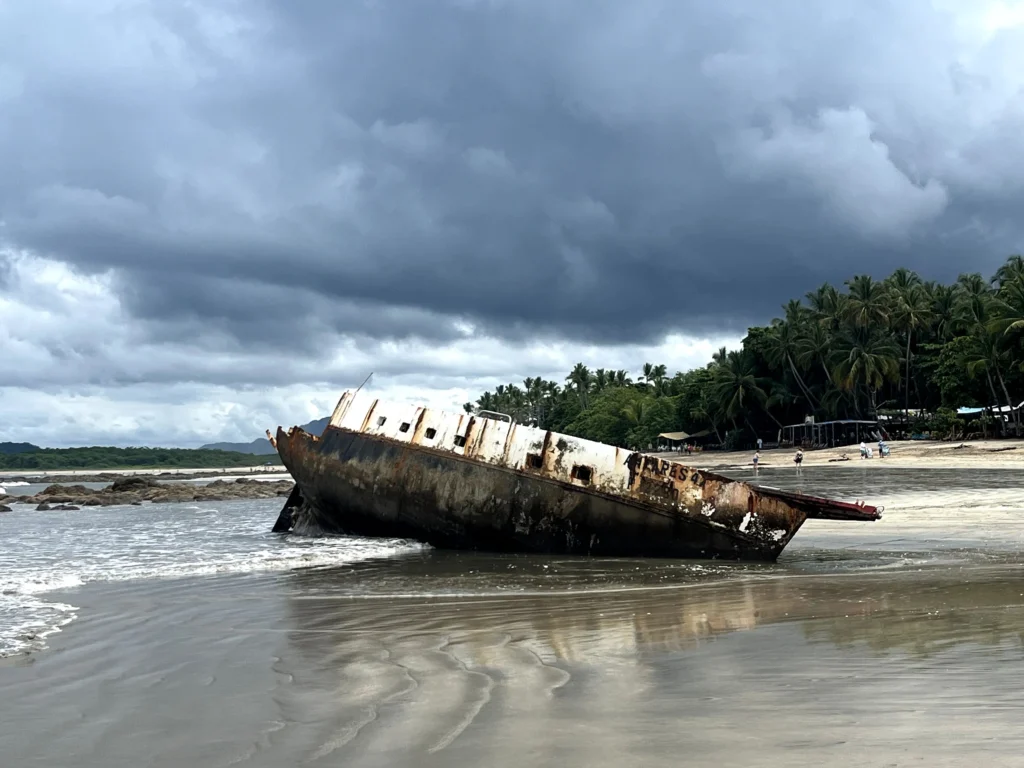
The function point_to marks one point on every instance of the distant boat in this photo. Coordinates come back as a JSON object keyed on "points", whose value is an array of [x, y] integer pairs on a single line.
{"points": [[462, 481]]}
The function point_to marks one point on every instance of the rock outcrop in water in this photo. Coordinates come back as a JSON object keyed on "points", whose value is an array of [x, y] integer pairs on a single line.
{"points": [[43, 478], [136, 490]]}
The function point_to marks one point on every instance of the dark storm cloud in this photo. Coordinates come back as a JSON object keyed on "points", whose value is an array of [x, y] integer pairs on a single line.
{"points": [[601, 169]]}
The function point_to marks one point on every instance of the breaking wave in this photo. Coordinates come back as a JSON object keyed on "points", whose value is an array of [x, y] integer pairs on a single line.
{"points": [[53, 552]]}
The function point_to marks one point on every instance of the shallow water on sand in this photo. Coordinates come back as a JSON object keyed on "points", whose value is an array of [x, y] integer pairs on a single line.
{"points": [[203, 642]]}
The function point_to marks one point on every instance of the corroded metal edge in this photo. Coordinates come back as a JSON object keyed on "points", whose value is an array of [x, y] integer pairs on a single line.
{"points": [[353, 483], [761, 520]]}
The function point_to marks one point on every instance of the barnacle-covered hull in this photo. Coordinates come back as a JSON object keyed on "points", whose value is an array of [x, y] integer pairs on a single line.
{"points": [[465, 482]]}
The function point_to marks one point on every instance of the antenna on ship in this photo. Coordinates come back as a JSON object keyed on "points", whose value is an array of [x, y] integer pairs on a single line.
{"points": [[363, 384]]}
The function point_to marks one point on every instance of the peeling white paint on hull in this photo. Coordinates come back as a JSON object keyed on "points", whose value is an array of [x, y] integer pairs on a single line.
{"points": [[467, 481]]}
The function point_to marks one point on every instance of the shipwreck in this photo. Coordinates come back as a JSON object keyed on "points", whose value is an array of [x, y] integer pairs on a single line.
{"points": [[483, 482]]}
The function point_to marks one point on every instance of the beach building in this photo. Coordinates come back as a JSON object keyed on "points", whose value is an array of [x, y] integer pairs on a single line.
{"points": [[830, 434]]}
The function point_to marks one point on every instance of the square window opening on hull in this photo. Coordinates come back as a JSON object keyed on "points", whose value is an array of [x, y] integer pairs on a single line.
{"points": [[582, 473], [429, 433]]}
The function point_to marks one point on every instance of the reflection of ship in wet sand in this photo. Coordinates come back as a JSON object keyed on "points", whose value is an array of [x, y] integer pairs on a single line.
{"points": [[483, 482], [577, 628], [424, 674]]}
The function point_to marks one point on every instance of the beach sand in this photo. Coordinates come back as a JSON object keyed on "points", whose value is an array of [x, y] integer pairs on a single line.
{"points": [[200, 639], [994, 454]]}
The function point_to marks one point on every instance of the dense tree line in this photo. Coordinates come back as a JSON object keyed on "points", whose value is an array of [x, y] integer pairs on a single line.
{"points": [[897, 346], [122, 458]]}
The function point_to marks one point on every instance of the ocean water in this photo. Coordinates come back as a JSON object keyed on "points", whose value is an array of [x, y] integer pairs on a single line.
{"points": [[169, 635], [43, 553]]}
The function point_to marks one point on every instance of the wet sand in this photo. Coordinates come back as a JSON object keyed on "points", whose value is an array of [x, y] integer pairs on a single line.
{"points": [[886, 644]]}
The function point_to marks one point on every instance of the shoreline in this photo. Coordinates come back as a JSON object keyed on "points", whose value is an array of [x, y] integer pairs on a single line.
{"points": [[907, 454], [48, 476], [911, 454]]}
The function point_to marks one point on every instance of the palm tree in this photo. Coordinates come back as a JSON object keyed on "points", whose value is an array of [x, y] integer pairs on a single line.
{"points": [[706, 410], [658, 374], [534, 392], [812, 347], [637, 412], [580, 380], [779, 396], [982, 355], [1013, 269], [865, 357], [979, 313], [781, 346], [911, 314], [973, 302], [735, 387], [866, 302], [827, 305], [903, 280], [943, 301], [486, 402], [1008, 307]]}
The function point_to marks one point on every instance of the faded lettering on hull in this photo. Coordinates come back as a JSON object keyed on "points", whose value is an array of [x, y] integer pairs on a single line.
{"points": [[471, 482]]}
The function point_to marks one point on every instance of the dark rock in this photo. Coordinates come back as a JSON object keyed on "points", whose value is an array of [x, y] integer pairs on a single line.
{"points": [[43, 507], [58, 489], [66, 508], [134, 483], [136, 490], [4, 508]]}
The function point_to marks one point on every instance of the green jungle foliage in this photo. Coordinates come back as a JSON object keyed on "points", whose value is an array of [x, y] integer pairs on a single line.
{"points": [[897, 346], [99, 457]]}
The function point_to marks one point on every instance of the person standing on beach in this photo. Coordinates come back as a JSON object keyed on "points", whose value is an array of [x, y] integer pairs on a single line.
{"points": [[799, 458], [757, 458]]}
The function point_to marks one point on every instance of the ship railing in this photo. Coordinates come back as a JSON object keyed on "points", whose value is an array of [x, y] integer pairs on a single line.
{"points": [[495, 415]]}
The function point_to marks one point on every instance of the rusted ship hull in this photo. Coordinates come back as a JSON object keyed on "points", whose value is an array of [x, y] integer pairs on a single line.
{"points": [[463, 482]]}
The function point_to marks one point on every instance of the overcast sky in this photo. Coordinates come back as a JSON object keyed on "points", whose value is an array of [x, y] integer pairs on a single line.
{"points": [[215, 215]]}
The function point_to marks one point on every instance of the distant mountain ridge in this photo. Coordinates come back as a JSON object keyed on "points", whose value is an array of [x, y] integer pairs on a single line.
{"points": [[261, 446], [18, 448]]}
